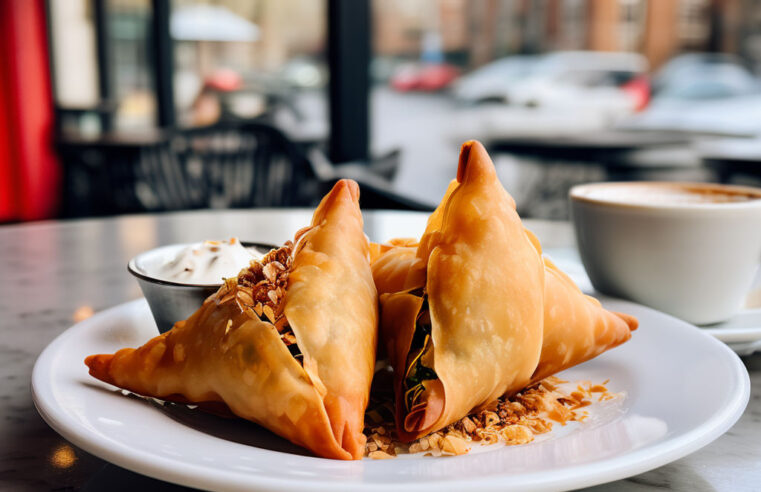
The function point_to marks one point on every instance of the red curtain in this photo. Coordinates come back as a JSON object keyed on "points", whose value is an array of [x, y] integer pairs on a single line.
{"points": [[29, 171]]}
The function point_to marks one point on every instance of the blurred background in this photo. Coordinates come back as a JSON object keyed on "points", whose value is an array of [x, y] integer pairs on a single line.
{"points": [[127, 106]]}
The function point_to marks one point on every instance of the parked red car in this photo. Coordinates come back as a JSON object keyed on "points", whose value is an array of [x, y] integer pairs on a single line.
{"points": [[424, 77], [640, 90]]}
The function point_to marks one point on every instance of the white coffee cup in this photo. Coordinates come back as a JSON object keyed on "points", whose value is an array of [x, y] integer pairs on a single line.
{"points": [[688, 249]]}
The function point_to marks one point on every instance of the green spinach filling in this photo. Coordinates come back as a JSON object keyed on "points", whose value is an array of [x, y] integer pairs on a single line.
{"points": [[417, 373]]}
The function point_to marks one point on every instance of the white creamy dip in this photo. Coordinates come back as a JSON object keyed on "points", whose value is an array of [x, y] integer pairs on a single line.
{"points": [[208, 262]]}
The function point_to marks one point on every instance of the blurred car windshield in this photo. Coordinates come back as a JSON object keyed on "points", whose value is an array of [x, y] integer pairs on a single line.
{"points": [[564, 61], [585, 69], [707, 81], [508, 67], [488, 81]]}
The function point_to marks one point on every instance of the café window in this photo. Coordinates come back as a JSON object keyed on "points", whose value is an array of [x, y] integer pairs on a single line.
{"points": [[230, 58]]}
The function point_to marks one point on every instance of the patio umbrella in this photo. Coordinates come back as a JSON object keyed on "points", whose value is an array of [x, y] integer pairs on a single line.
{"points": [[210, 23]]}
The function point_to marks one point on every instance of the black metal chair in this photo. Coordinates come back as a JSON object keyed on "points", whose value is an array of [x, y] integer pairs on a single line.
{"points": [[374, 178], [233, 164]]}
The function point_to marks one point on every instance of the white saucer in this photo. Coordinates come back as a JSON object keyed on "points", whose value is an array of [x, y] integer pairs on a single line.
{"points": [[742, 332], [662, 417]]}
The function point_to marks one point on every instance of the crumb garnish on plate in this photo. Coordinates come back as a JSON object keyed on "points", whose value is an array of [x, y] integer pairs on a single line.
{"points": [[514, 420]]}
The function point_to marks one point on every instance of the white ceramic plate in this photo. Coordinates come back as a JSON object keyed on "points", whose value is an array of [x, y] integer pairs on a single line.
{"points": [[682, 388], [742, 332]]}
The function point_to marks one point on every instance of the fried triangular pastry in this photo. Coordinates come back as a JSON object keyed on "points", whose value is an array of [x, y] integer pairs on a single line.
{"points": [[576, 327], [468, 327], [290, 343]]}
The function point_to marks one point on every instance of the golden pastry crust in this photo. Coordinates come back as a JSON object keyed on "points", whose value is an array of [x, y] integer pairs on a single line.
{"points": [[398, 269], [486, 315], [576, 327], [224, 355], [332, 306], [396, 265]]}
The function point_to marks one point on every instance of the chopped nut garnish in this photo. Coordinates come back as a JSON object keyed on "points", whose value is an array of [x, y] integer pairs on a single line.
{"points": [[273, 296], [245, 297], [453, 445], [258, 291], [511, 421], [467, 425], [380, 455]]}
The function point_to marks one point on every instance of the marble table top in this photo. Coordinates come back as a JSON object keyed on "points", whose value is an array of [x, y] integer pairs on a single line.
{"points": [[55, 273]]}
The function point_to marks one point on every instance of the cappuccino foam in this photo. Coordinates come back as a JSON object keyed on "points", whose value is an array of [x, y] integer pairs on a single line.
{"points": [[666, 194]]}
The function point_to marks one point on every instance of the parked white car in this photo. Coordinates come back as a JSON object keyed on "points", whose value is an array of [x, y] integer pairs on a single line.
{"points": [[703, 92], [490, 82], [584, 80]]}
